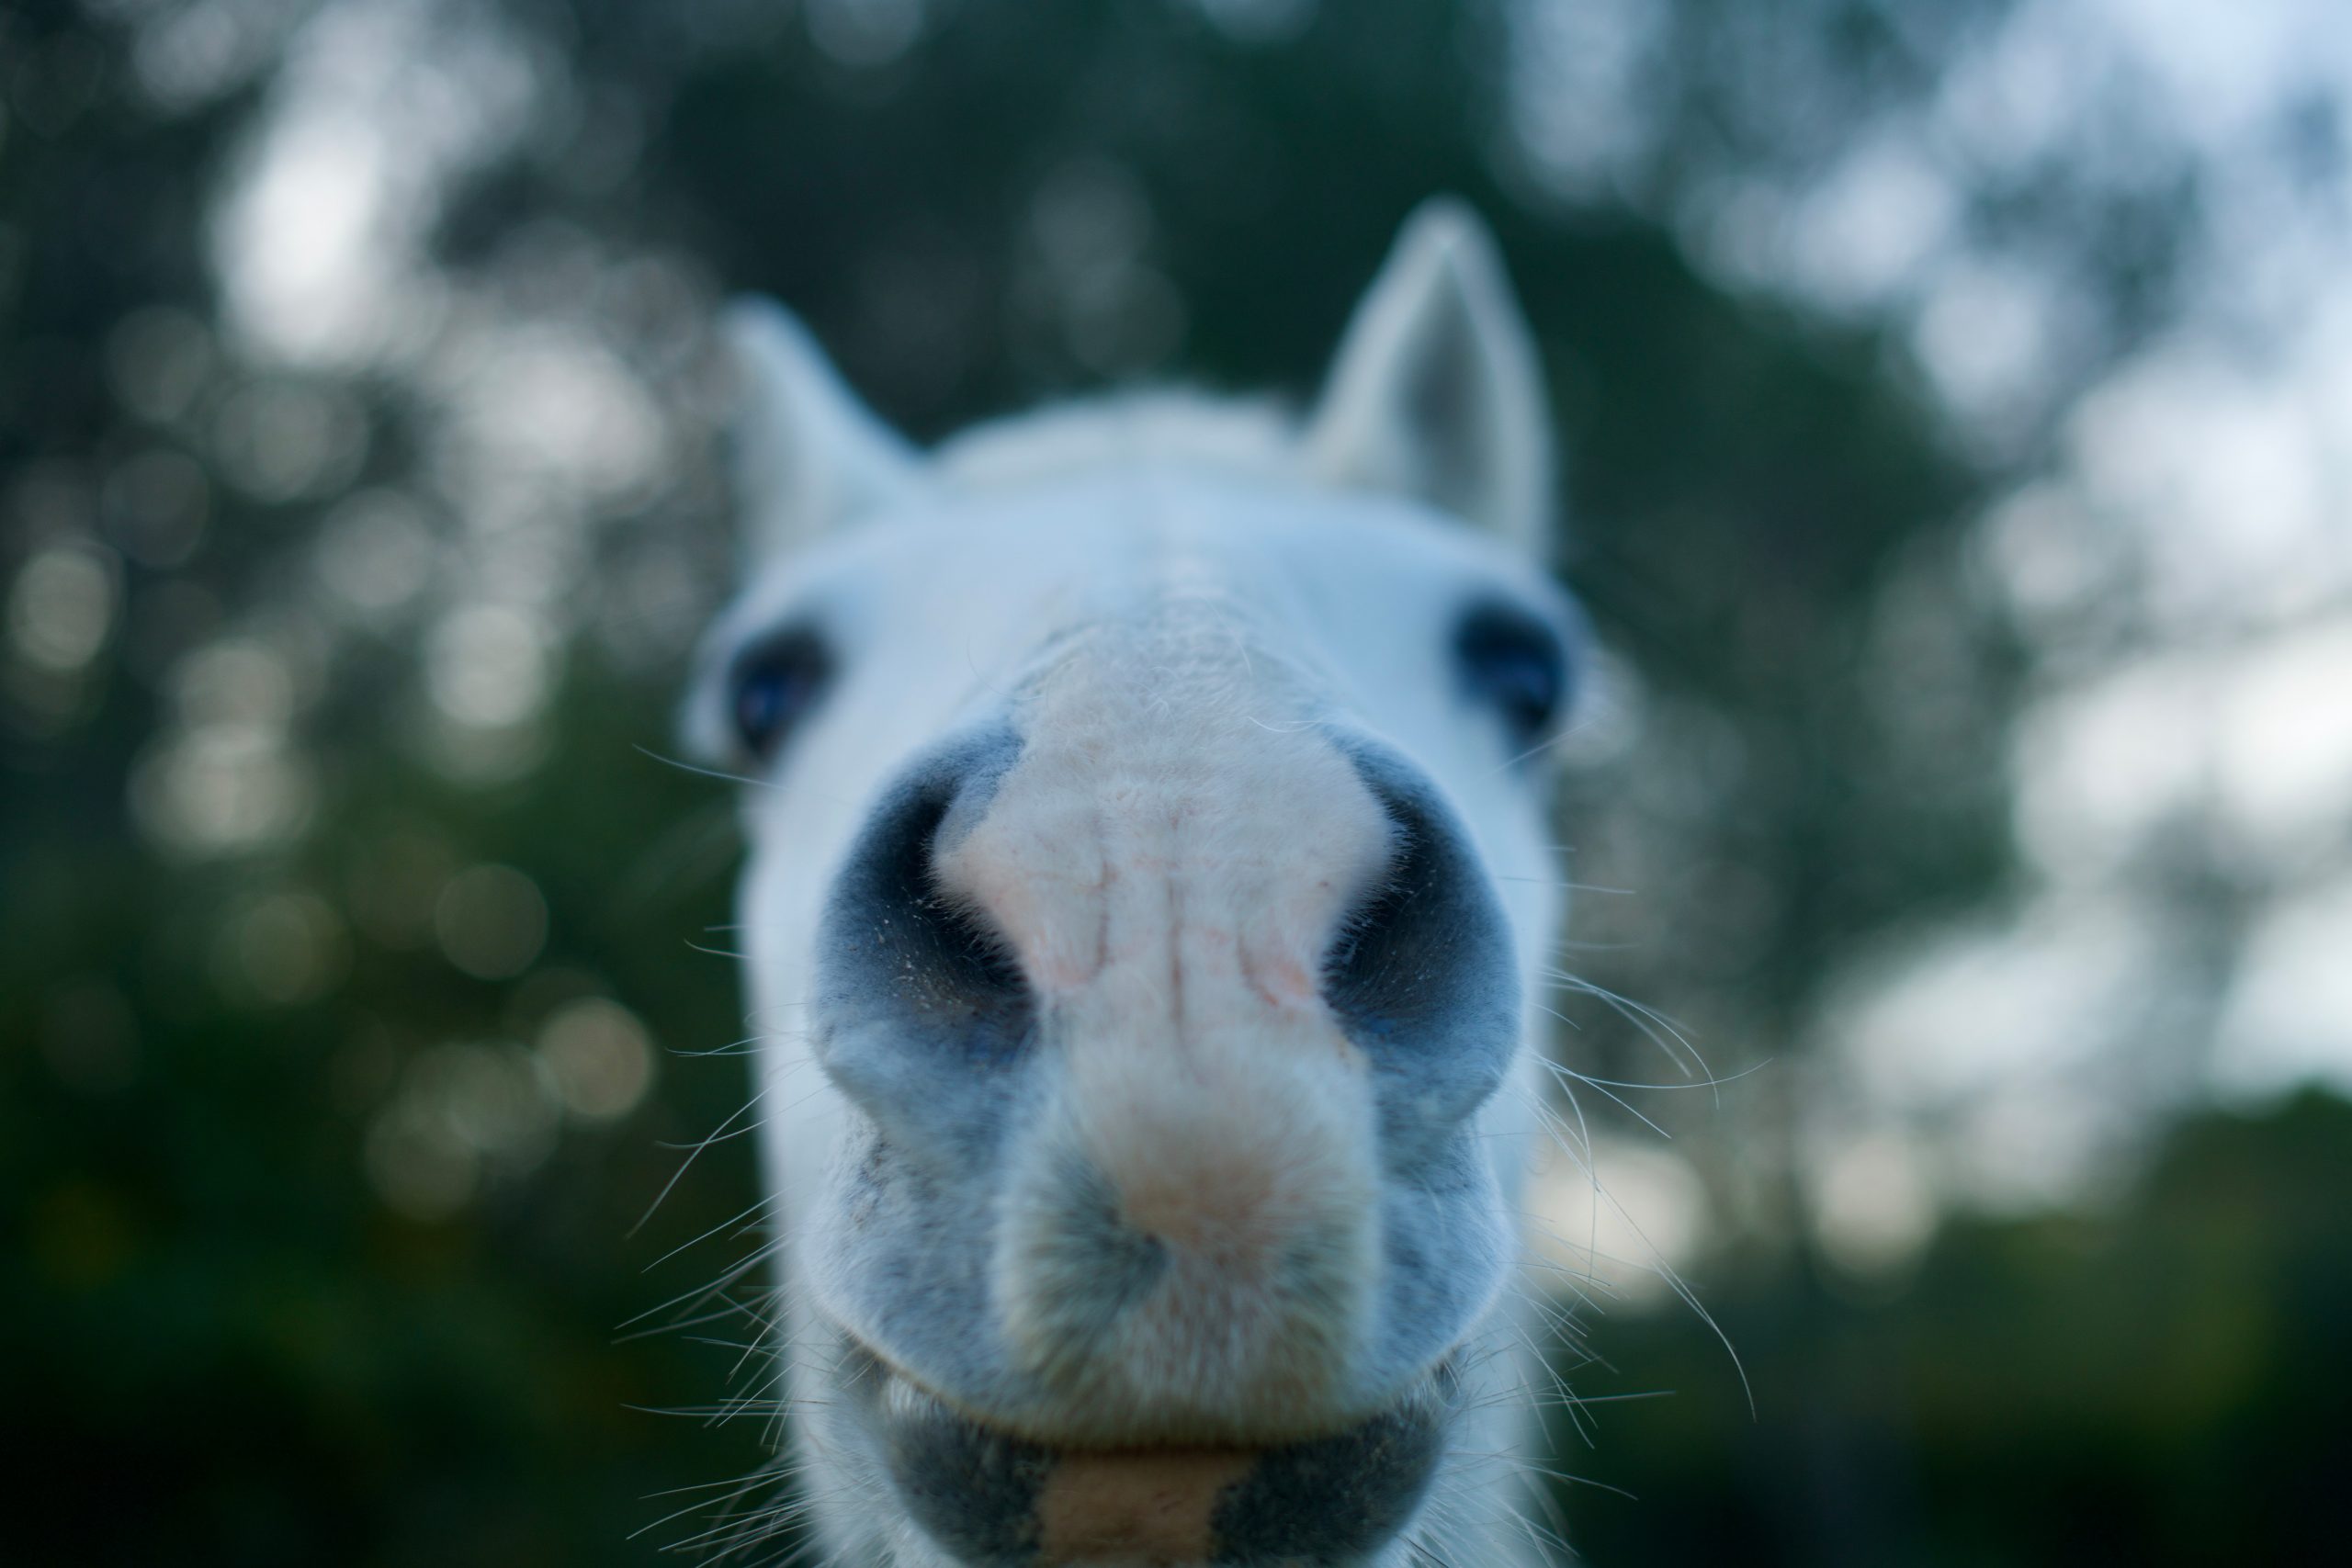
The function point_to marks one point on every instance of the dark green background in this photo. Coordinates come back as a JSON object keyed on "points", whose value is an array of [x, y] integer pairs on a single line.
{"points": [[219, 1346]]}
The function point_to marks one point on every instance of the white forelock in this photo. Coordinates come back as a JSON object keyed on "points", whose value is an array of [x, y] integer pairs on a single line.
{"points": [[1160, 427]]}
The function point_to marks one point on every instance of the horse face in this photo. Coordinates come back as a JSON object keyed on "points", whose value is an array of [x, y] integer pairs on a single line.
{"points": [[1146, 876]]}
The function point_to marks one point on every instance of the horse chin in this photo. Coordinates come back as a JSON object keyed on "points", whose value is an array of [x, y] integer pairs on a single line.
{"points": [[984, 1494]]}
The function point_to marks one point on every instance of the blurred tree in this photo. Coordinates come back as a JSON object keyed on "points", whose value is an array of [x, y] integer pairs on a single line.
{"points": [[2161, 1383], [339, 897]]}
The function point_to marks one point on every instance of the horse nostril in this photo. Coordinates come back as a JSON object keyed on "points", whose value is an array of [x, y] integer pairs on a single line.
{"points": [[1376, 971], [949, 957], [907, 972], [1421, 974]]}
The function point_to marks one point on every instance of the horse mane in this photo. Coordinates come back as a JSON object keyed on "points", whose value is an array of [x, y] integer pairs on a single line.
{"points": [[1155, 427]]}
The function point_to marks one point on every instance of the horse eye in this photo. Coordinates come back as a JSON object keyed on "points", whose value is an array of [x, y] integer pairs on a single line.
{"points": [[774, 686], [1513, 662]]}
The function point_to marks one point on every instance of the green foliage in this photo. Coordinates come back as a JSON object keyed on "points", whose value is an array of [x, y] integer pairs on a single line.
{"points": [[229, 1349], [2160, 1384], [232, 1337]]}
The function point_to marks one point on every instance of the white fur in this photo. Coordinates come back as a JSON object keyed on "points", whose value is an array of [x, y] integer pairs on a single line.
{"points": [[1170, 594], [1437, 393], [809, 456]]}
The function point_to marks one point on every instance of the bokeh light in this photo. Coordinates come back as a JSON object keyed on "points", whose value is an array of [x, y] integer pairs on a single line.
{"points": [[491, 922], [1957, 405], [598, 1057]]}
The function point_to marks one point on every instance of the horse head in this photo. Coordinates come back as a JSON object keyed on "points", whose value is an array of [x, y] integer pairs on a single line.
{"points": [[1148, 887]]}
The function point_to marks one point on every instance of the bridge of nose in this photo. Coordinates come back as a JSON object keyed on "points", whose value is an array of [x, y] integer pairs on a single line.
{"points": [[1175, 842], [1168, 861]]}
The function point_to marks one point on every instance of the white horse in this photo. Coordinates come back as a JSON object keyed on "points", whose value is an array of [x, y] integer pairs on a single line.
{"points": [[1148, 896]]}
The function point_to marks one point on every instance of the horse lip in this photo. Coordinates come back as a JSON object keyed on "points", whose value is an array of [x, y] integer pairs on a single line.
{"points": [[986, 1493], [886, 1378]]}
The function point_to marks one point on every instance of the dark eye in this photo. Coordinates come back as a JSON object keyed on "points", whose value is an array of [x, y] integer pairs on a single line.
{"points": [[775, 684], [1512, 662]]}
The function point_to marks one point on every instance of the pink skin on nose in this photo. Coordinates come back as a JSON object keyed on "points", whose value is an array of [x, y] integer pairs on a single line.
{"points": [[1187, 836], [1169, 874]]}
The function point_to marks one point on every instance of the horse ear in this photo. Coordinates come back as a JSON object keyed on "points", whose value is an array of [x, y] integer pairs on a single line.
{"points": [[1435, 392], [809, 455]]}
